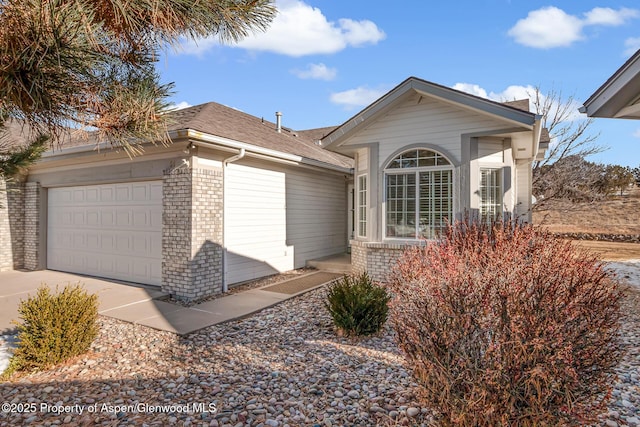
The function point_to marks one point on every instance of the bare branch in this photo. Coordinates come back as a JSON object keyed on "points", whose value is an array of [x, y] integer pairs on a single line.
{"points": [[571, 142]]}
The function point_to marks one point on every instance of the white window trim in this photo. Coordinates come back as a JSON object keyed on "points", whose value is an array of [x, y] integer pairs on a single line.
{"points": [[501, 172], [398, 171], [365, 206]]}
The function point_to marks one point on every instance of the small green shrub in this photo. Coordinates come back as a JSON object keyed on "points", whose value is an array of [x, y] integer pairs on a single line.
{"points": [[357, 305], [507, 325], [55, 327]]}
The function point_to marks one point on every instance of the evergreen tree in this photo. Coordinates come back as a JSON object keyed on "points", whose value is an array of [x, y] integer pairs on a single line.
{"points": [[90, 64]]}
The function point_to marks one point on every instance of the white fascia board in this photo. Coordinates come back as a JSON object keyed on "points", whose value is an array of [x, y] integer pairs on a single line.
{"points": [[78, 149], [514, 115], [605, 102], [208, 139], [537, 132]]}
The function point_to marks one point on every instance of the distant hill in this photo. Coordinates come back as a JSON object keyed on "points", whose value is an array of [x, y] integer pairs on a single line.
{"points": [[617, 215]]}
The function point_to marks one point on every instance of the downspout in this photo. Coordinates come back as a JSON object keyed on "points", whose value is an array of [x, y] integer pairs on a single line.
{"points": [[225, 162], [232, 159]]}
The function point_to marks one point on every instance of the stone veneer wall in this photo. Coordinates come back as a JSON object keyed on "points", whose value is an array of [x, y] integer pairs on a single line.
{"points": [[377, 259], [192, 233], [32, 250], [11, 225]]}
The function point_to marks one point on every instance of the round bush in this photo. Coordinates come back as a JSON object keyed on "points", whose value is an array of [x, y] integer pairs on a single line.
{"points": [[507, 325], [357, 306], [55, 327]]}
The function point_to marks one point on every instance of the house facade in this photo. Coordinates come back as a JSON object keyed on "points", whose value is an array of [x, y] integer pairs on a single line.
{"points": [[425, 155], [235, 197]]}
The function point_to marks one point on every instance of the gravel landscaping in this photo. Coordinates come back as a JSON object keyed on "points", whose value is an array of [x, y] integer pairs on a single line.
{"points": [[282, 366]]}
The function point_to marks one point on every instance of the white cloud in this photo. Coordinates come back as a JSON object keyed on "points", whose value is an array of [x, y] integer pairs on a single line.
{"points": [[632, 44], [608, 16], [517, 92], [298, 30], [196, 47], [473, 89], [637, 133], [316, 72], [179, 106], [546, 28], [511, 93], [360, 33], [358, 97], [551, 27]]}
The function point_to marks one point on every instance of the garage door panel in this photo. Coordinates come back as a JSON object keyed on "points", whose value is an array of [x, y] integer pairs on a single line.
{"points": [[93, 241], [107, 219], [92, 195], [93, 218], [123, 193], [141, 218], [123, 219], [106, 195], [111, 230]]}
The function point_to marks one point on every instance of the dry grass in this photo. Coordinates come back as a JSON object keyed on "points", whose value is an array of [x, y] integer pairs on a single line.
{"points": [[618, 215]]}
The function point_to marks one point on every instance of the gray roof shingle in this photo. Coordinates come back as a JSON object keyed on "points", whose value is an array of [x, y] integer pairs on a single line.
{"points": [[219, 120]]}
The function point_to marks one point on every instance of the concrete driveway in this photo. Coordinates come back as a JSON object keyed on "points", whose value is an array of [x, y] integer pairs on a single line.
{"points": [[139, 305], [18, 285]]}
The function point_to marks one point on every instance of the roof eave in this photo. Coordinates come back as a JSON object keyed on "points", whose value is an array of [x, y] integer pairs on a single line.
{"points": [[614, 94], [334, 139], [209, 139], [266, 152]]}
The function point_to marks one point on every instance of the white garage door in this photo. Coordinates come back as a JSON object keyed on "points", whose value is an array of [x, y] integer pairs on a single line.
{"points": [[255, 223], [112, 231]]}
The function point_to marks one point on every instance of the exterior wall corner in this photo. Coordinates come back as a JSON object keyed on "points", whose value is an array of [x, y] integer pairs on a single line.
{"points": [[12, 225], [33, 256], [192, 233], [377, 259]]}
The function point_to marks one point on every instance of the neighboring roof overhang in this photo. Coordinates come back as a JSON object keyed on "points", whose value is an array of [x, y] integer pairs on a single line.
{"points": [[508, 113], [209, 141], [619, 96]]}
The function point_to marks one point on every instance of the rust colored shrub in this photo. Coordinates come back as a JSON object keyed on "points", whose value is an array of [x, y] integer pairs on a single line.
{"points": [[507, 325]]}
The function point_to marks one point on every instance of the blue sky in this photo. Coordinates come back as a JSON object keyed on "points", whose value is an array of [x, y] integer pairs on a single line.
{"points": [[321, 61]]}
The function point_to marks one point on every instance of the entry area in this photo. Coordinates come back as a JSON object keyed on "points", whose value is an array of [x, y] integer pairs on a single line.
{"points": [[109, 230]]}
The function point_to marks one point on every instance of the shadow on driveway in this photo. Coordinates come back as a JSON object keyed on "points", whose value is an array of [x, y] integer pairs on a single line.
{"points": [[18, 285]]}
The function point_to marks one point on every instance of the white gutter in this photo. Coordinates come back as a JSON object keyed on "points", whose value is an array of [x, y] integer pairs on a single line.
{"points": [[212, 139], [207, 138], [225, 163], [232, 159], [78, 149]]}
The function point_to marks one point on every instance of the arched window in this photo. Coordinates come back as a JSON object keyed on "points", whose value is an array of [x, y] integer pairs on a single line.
{"points": [[418, 194]]}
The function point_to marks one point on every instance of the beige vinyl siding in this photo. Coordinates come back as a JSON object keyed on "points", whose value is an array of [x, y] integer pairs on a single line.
{"points": [[278, 217], [255, 229], [316, 214], [362, 158], [424, 120], [491, 150]]}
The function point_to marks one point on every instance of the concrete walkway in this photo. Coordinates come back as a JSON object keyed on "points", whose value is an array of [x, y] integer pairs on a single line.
{"points": [[143, 306]]}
